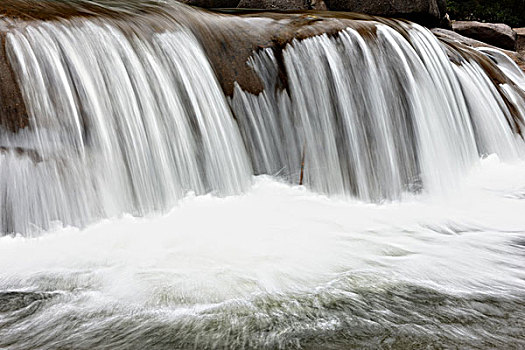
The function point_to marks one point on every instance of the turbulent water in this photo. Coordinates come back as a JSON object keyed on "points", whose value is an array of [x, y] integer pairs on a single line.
{"points": [[145, 208], [280, 266]]}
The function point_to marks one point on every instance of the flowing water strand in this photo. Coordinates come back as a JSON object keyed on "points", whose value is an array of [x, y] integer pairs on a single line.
{"points": [[377, 116], [118, 125]]}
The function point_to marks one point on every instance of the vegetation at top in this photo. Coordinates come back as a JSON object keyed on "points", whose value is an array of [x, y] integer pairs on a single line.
{"points": [[511, 12]]}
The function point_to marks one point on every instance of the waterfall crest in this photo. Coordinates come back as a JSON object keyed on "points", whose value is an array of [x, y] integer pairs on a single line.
{"points": [[128, 123]]}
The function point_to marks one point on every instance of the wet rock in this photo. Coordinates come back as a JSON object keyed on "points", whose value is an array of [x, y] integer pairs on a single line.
{"points": [[520, 40], [230, 41], [464, 46], [13, 113], [12, 301], [497, 34], [454, 37]]}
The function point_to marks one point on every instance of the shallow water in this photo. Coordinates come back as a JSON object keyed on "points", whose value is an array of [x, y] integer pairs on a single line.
{"points": [[280, 266]]}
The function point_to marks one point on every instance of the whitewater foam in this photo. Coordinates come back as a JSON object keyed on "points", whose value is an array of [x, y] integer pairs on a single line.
{"points": [[279, 238]]}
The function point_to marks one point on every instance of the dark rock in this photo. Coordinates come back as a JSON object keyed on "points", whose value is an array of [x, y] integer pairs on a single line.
{"points": [[520, 40], [212, 3], [13, 113], [428, 12], [13, 301], [275, 4], [287, 5], [445, 22], [497, 34]]}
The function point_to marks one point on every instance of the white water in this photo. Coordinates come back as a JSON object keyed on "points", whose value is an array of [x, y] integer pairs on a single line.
{"points": [[279, 239]]}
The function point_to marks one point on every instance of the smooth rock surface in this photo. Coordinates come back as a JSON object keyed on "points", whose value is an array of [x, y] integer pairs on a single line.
{"points": [[453, 37], [497, 34]]}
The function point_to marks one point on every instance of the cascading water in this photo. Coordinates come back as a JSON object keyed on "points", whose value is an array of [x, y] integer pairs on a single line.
{"points": [[118, 125], [130, 120], [130, 124], [375, 118]]}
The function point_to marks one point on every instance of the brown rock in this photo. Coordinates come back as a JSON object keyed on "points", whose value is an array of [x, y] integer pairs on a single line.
{"points": [[520, 40], [458, 45], [497, 34], [453, 37], [13, 113]]}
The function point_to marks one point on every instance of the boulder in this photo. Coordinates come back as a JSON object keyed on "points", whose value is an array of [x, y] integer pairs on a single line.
{"points": [[426, 12], [520, 40], [496, 34], [429, 12], [212, 3], [286, 5]]}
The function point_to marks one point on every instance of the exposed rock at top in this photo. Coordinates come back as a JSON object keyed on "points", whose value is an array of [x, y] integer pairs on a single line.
{"points": [[454, 38], [212, 3], [429, 12], [457, 45], [520, 40], [287, 5], [497, 34]]}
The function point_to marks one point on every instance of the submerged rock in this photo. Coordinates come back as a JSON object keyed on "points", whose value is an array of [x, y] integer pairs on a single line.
{"points": [[497, 34]]}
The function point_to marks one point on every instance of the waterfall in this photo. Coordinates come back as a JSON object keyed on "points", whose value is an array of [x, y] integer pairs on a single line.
{"points": [[128, 123], [376, 117], [118, 125]]}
